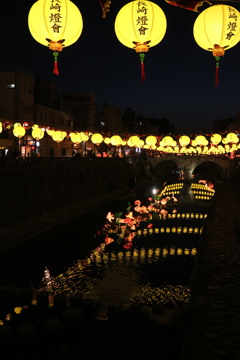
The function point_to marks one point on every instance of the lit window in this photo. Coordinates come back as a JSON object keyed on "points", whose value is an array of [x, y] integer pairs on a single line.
{"points": [[10, 86]]}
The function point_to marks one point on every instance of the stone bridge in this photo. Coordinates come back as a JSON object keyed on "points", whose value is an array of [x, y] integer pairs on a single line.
{"points": [[221, 168]]}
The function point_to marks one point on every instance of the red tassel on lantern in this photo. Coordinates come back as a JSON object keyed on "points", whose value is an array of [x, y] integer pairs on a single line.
{"points": [[143, 75], [217, 71], [55, 67]]}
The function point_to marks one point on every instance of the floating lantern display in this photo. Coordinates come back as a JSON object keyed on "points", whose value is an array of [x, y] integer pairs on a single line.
{"points": [[18, 130], [140, 25], [55, 24], [37, 132], [97, 138], [217, 29]]}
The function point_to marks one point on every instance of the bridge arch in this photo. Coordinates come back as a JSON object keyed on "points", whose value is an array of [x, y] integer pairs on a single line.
{"points": [[218, 168]]}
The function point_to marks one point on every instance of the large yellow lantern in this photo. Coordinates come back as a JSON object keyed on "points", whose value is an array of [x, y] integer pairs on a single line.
{"points": [[18, 130], [55, 24], [216, 29], [140, 25]]}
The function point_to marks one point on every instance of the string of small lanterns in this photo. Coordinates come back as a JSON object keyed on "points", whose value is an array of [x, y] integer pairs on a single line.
{"points": [[211, 144]]}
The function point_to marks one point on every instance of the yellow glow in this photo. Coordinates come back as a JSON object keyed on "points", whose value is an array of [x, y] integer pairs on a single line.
{"points": [[58, 135], [216, 139], [133, 141], [37, 133], [151, 140], [184, 140], [96, 138], [76, 137], [43, 25], [116, 140], [212, 27], [130, 27], [18, 130], [232, 138]]}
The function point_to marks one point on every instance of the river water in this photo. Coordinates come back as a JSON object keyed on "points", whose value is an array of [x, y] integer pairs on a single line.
{"points": [[156, 268]]}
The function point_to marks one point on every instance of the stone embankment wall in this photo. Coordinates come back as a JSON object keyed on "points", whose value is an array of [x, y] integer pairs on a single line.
{"points": [[214, 328], [28, 191]]}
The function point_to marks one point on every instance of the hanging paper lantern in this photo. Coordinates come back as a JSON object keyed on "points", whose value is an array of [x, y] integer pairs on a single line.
{"points": [[107, 140], [97, 138], [201, 140], [58, 135], [133, 141], [116, 140], [232, 138], [76, 138], [184, 140], [55, 24], [85, 137], [216, 139], [18, 130], [167, 141], [140, 25], [217, 29], [1, 127], [37, 132], [151, 140]]}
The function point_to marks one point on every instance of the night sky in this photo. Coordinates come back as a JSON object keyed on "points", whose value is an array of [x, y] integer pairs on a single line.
{"points": [[180, 75]]}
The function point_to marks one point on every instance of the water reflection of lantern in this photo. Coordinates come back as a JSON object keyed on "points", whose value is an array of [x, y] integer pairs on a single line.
{"points": [[217, 28], [18, 130], [55, 25], [140, 25]]}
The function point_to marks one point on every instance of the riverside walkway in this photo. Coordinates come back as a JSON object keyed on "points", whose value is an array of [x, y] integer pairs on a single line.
{"points": [[213, 332]]}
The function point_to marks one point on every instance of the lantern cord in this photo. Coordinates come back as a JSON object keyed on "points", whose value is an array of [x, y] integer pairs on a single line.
{"points": [[217, 71], [143, 75], [55, 67]]}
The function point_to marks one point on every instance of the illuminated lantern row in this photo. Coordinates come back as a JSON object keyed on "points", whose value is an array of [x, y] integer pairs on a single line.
{"points": [[140, 25], [217, 29], [55, 24]]}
